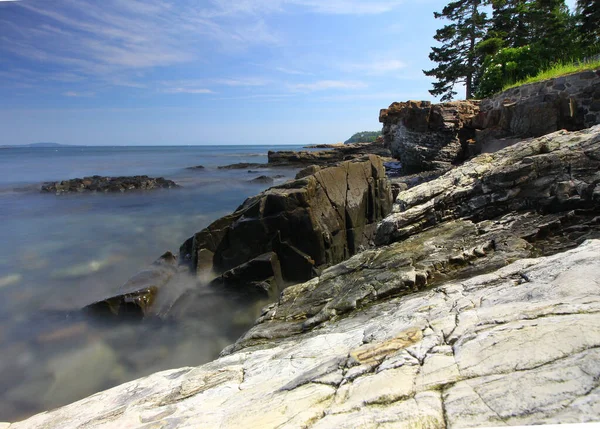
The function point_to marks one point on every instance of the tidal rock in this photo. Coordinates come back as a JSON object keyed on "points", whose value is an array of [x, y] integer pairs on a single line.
{"points": [[315, 222], [242, 166], [326, 157], [138, 296], [197, 167], [262, 180], [428, 137], [107, 184], [511, 347]]}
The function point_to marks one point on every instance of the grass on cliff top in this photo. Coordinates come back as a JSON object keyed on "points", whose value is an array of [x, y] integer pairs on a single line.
{"points": [[558, 70]]}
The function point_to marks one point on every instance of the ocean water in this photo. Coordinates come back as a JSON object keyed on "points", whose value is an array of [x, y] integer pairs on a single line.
{"points": [[59, 253]]}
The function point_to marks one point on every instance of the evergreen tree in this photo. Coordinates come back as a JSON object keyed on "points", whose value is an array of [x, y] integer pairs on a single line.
{"points": [[510, 22], [589, 24], [457, 58], [551, 29]]}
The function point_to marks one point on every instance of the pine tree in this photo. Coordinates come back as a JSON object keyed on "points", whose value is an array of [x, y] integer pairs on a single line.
{"points": [[589, 24], [457, 58], [509, 22], [551, 29]]}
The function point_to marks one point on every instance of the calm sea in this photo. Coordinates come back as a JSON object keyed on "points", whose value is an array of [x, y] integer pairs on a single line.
{"points": [[59, 253]]}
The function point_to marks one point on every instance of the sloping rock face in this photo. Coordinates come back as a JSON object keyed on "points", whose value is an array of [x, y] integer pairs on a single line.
{"points": [[107, 184], [517, 346], [327, 157], [425, 136], [310, 223], [555, 173]]}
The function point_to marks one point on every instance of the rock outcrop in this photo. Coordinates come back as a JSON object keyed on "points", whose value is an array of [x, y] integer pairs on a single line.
{"points": [[310, 223], [550, 174], [427, 136], [518, 346], [107, 184], [346, 152]]}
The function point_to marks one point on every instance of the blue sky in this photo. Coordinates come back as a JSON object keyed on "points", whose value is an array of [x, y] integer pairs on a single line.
{"points": [[118, 72]]}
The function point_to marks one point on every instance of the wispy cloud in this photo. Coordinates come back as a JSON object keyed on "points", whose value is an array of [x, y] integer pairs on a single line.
{"points": [[187, 91], [323, 85], [78, 94]]}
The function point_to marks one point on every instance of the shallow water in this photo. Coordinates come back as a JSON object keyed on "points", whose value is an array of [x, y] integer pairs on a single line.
{"points": [[59, 253]]}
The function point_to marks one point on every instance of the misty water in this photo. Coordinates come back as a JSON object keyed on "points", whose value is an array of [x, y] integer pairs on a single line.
{"points": [[59, 253]]}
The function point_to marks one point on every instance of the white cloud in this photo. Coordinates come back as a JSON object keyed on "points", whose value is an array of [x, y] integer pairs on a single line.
{"points": [[187, 91], [323, 85]]}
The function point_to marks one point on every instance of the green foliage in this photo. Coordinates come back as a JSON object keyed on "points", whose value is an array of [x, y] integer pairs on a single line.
{"points": [[457, 58], [588, 19], [363, 136], [507, 66], [557, 70]]}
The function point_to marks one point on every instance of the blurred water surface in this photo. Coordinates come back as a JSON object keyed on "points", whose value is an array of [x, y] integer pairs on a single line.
{"points": [[58, 253]]}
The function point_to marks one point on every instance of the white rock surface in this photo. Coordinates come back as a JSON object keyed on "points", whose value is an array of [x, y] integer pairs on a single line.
{"points": [[518, 346]]}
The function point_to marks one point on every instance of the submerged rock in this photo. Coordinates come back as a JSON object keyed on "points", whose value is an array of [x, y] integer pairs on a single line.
{"points": [[242, 166], [107, 184]]}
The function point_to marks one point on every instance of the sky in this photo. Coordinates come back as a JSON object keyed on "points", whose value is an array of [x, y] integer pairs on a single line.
{"points": [[179, 72]]}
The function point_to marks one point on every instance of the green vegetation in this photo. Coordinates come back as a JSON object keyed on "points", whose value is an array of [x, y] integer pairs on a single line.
{"points": [[559, 69], [363, 136], [520, 40]]}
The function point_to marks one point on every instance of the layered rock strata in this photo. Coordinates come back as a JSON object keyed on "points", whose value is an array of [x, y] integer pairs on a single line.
{"points": [[107, 184], [310, 223], [518, 346]]}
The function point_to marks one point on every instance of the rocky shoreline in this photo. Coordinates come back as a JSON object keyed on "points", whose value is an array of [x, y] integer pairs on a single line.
{"points": [[463, 294]]}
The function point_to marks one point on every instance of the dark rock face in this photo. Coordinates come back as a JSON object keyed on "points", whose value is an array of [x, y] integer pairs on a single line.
{"points": [[107, 184], [425, 136], [327, 157], [310, 223]]}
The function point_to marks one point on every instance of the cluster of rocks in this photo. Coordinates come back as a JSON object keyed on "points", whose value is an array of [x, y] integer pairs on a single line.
{"points": [[107, 184], [287, 234]]}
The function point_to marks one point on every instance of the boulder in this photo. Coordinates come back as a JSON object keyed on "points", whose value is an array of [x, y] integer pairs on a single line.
{"points": [[315, 222], [107, 184], [262, 180], [425, 136]]}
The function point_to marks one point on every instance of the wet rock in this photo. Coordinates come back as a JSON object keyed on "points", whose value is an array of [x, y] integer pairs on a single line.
{"points": [[197, 167], [262, 180], [107, 184], [242, 166], [138, 296]]}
